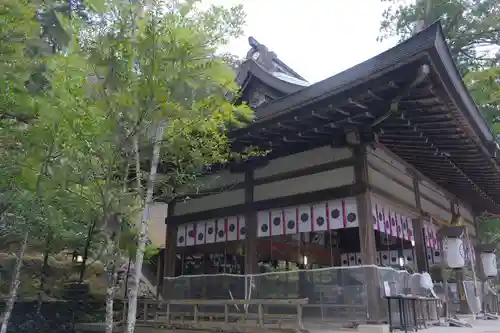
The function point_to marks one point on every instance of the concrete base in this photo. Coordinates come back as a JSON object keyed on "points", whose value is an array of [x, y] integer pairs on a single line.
{"points": [[466, 317], [366, 328]]}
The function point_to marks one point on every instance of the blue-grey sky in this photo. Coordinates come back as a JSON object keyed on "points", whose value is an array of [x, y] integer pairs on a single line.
{"points": [[317, 38]]}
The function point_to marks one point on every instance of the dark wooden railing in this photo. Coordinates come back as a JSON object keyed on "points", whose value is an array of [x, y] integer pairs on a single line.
{"points": [[225, 315]]}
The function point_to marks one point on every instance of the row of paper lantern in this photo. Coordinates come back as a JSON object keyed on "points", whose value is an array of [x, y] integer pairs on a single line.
{"points": [[388, 258], [434, 256], [457, 254], [388, 221], [324, 216]]}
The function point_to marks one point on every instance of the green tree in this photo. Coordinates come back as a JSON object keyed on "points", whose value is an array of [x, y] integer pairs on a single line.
{"points": [[484, 86], [139, 91], [472, 28], [172, 98]]}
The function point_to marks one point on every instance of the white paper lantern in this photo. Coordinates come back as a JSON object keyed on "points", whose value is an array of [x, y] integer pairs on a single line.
{"points": [[454, 252], [489, 261], [426, 281]]}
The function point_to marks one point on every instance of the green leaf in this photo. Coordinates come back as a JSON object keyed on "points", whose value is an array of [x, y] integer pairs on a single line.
{"points": [[97, 5]]}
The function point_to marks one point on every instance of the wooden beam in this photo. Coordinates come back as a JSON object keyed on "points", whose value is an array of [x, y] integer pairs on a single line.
{"points": [[413, 171], [407, 186], [274, 178], [292, 200]]}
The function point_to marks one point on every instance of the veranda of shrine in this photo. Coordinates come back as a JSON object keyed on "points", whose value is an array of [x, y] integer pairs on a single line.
{"points": [[364, 167]]}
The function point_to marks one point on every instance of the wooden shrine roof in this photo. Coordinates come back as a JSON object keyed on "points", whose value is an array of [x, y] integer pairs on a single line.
{"points": [[434, 124]]}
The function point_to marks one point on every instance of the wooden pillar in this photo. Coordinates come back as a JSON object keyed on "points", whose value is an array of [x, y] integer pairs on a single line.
{"points": [[418, 231], [159, 273], [170, 252], [478, 264], [251, 260], [460, 272], [375, 313]]}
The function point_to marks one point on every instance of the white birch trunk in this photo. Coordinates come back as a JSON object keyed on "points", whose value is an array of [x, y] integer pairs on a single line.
{"points": [[14, 287], [143, 232], [111, 286], [109, 310]]}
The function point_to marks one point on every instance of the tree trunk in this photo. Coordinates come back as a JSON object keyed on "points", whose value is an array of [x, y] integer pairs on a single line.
{"points": [[88, 242], [43, 278], [14, 287], [143, 231], [111, 285], [127, 277]]}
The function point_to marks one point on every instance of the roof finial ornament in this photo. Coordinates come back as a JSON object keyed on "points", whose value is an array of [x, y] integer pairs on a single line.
{"points": [[260, 54]]}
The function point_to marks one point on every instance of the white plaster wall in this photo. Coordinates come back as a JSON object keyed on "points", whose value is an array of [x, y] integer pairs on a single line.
{"points": [[303, 160], [157, 228], [218, 200], [309, 183]]}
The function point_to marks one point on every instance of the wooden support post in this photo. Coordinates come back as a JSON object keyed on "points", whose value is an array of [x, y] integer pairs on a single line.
{"points": [[169, 255], [375, 314], [159, 273], [460, 272], [479, 265], [460, 276], [418, 231], [251, 260]]}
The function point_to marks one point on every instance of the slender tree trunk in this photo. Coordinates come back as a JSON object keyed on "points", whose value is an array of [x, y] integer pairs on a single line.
{"points": [[43, 278], [15, 286], [127, 277], [88, 241], [143, 231], [112, 277]]}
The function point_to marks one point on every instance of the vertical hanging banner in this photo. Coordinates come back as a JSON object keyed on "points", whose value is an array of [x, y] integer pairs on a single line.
{"points": [[210, 233], [344, 259], [201, 229], [380, 218], [335, 214], [321, 221], [350, 213], [242, 228], [191, 234], [290, 217], [232, 228], [221, 235], [305, 222], [181, 236], [263, 228], [276, 222]]}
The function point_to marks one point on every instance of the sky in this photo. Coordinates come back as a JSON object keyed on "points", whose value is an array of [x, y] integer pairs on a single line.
{"points": [[316, 38]]}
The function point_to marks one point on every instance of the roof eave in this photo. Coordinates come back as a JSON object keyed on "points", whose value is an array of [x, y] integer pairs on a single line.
{"points": [[456, 88], [251, 67]]}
